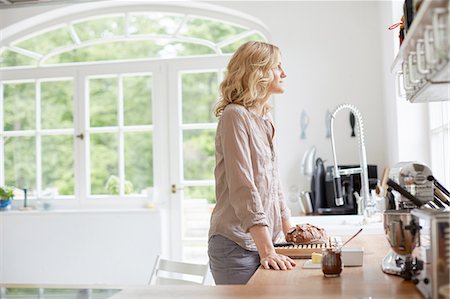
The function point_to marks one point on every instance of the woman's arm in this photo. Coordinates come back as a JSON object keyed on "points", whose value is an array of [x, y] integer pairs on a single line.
{"points": [[269, 258], [286, 225]]}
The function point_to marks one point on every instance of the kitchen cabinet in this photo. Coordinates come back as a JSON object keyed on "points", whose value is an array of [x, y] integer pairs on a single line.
{"points": [[79, 246], [423, 60]]}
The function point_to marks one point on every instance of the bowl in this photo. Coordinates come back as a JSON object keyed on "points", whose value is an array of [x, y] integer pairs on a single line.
{"points": [[401, 230]]}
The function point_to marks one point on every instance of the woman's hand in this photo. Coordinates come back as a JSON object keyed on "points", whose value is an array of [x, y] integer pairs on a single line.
{"points": [[277, 262]]}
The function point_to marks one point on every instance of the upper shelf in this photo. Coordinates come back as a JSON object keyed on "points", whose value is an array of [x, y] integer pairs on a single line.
{"points": [[422, 18], [423, 59]]}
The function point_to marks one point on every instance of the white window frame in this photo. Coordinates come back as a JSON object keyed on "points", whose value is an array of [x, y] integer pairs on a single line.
{"points": [[439, 127], [81, 123], [162, 86]]}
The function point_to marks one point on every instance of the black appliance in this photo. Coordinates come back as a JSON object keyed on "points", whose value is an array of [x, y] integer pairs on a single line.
{"points": [[322, 189], [318, 198]]}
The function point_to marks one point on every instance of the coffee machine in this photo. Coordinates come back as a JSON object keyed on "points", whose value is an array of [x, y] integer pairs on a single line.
{"points": [[323, 189]]}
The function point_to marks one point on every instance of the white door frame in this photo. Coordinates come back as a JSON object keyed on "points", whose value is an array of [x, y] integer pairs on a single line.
{"points": [[176, 142]]}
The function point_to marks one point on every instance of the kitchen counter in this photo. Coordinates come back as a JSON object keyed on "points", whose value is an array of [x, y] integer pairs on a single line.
{"points": [[354, 282], [365, 281]]}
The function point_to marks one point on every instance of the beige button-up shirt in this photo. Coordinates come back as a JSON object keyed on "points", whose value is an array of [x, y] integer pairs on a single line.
{"points": [[248, 190]]}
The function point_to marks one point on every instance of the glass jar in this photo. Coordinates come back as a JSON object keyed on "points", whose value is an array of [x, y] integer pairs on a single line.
{"points": [[331, 262]]}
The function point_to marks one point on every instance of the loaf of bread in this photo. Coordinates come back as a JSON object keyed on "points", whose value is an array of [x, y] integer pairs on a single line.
{"points": [[306, 234]]}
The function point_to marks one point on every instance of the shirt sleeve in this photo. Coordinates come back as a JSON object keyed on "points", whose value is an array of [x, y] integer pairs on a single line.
{"points": [[285, 211], [243, 194]]}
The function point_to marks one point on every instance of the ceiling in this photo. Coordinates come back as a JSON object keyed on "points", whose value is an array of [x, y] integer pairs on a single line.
{"points": [[20, 3]]}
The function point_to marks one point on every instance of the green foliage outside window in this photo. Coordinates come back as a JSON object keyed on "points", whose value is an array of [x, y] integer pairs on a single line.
{"points": [[154, 23], [212, 30], [201, 192], [58, 164], [105, 38], [199, 94], [103, 27], [47, 41], [231, 48], [20, 162], [10, 58], [56, 104], [103, 102], [19, 106]]}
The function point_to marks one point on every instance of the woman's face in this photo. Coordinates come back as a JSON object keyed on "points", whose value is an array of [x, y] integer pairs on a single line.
{"points": [[277, 83]]}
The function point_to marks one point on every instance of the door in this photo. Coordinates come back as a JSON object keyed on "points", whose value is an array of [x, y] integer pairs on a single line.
{"points": [[193, 92]]}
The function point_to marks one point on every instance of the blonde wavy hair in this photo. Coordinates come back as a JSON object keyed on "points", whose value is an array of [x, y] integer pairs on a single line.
{"points": [[248, 76]]}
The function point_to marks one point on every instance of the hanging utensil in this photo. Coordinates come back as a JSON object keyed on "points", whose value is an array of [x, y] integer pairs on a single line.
{"points": [[352, 124]]}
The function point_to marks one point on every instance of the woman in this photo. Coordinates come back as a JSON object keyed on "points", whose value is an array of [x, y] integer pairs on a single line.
{"points": [[250, 212]]}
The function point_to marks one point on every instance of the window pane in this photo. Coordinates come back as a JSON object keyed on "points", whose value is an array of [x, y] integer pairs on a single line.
{"points": [[198, 154], [197, 209], [196, 218], [231, 48], [101, 28], [11, 58], [103, 102], [138, 161], [20, 163], [104, 164], [130, 50], [19, 106], [137, 97], [47, 41], [154, 23], [200, 193], [57, 164], [57, 104], [185, 49], [197, 212], [435, 113], [199, 95], [209, 29]]}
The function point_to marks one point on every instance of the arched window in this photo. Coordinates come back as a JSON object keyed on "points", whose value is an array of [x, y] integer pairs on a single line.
{"points": [[103, 103], [126, 36]]}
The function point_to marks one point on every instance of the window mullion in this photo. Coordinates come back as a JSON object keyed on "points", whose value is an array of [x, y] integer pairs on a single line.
{"points": [[121, 147], [81, 116], [2, 153], [182, 23], [127, 24], [38, 139], [73, 33]]}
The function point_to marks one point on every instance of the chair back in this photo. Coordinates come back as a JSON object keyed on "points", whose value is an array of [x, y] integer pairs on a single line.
{"points": [[168, 272]]}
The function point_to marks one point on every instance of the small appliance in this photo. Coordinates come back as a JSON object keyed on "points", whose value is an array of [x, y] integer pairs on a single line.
{"points": [[323, 189], [417, 228], [402, 232], [433, 252]]}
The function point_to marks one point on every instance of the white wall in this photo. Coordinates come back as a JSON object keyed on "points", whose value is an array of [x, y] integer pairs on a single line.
{"points": [[332, 54]]}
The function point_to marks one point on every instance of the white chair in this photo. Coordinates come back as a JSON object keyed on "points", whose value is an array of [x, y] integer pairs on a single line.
{"points": [[167, 272]]}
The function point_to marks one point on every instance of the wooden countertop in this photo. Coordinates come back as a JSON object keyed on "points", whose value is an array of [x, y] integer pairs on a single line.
{"points": [[368, 280], [354, 282]]}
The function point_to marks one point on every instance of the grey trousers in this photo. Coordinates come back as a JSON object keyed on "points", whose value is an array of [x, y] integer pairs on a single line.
{"points": [[229, 262]]}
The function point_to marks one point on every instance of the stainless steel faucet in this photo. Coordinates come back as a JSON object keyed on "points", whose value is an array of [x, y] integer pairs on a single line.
{"points": [[362, 158]]}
